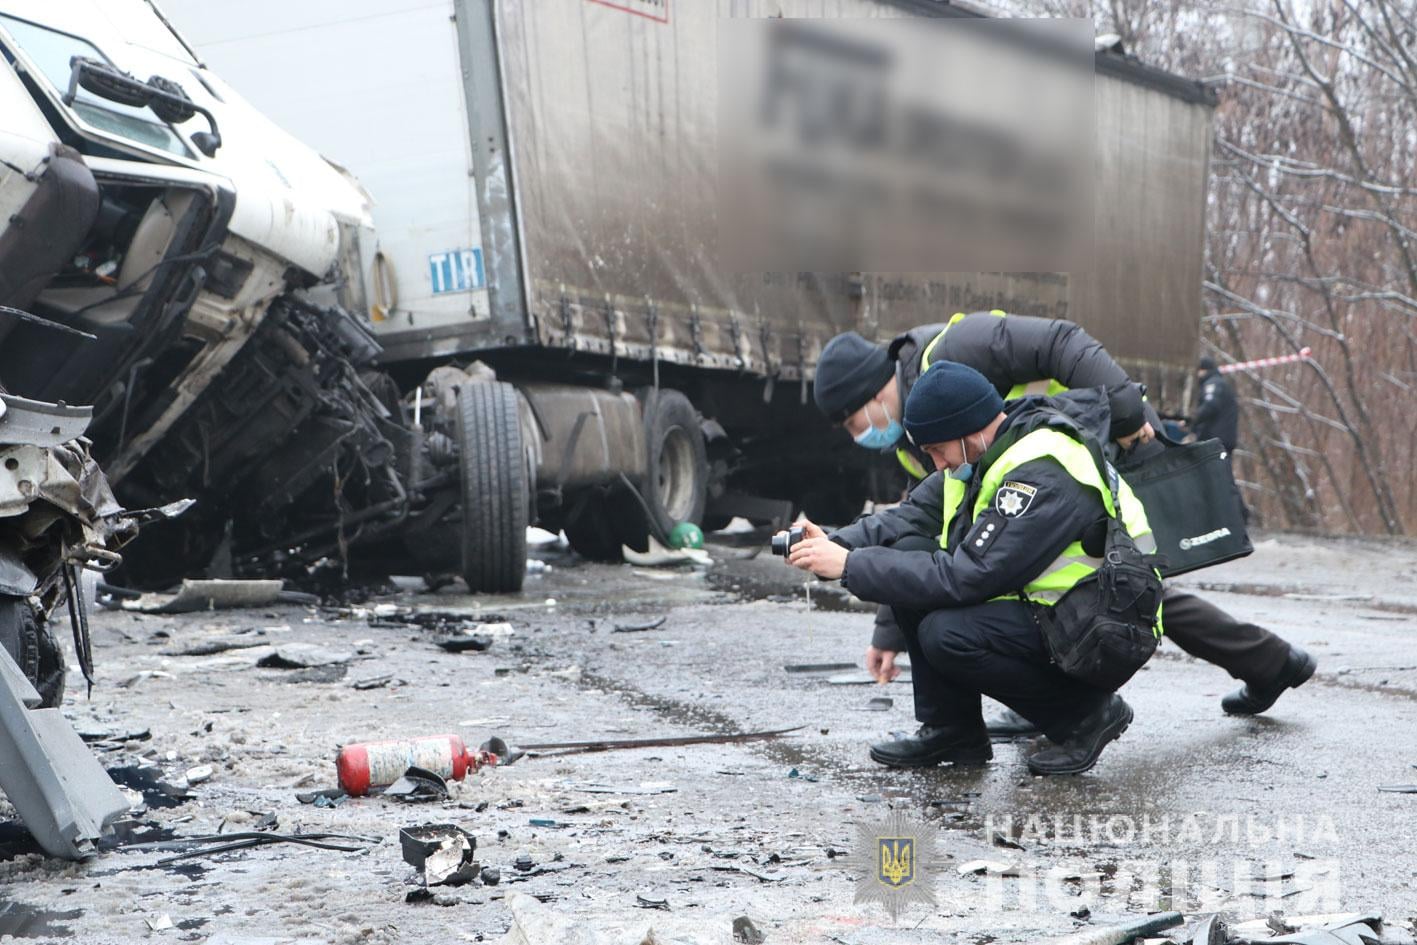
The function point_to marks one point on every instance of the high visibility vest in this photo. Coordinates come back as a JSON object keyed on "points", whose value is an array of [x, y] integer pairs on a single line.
{"points": [[1074, 563], [1050, 387]]}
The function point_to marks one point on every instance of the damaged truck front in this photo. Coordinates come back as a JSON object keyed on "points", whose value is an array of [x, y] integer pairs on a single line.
{"points": [[142, 202]]}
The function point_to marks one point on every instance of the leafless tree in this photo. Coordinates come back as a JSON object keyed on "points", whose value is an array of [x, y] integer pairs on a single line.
{"points": [[1312, 237]]}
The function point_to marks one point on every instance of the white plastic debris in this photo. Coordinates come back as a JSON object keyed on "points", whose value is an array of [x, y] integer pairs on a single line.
{"points": [[659, 556], [199, 774], [988, 867]]}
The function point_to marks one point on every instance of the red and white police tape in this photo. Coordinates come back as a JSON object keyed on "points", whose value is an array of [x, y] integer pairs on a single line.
{"points": [[1303, 355]]}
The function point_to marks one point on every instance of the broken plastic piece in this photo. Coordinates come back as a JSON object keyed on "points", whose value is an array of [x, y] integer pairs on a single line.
{"points": [[442, 853], [418, 786]]}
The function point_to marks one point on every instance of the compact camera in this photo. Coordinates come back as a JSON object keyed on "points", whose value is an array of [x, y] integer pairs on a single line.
{"points": [[782, 543]]}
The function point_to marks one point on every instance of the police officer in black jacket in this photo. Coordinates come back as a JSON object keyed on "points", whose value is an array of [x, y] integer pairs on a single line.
{"points": [[863, 386], [1217, 416], [966, 562]]}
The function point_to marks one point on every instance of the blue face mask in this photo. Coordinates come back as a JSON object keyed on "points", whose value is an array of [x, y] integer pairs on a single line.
{"points": [[966, 471], [881, 438]]}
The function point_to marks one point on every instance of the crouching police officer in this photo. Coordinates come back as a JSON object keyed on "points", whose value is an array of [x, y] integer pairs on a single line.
{"points": [[1020, 519], [863, 386]]}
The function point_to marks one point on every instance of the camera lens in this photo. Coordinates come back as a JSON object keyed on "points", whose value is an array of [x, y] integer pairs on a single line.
{"points": [[780, 544]]}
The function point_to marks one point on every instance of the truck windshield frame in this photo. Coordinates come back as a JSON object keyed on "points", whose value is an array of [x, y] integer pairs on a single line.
{"points": [[50, 50]]}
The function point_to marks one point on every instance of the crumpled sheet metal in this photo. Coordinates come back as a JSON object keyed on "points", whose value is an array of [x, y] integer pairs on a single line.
{"points": [[68, 479]]}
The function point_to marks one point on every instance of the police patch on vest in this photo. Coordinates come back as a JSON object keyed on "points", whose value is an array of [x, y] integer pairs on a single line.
{"points": [[1014, 498]]}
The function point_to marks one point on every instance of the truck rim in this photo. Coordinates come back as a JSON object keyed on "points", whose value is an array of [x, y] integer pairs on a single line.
{"points": [[676, 474]]}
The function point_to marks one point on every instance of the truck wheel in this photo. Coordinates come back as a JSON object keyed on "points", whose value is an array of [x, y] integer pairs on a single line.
{"points": [[676, 486], [495, 494], [31, 643]]}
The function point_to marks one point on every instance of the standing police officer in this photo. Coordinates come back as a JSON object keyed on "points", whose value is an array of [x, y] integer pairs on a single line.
{"points": [[1021, 519], [1217, 416], [864, 385]]}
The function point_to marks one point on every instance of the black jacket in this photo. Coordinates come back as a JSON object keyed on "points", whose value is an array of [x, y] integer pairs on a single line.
{"points": [[1217, 414], [997, 553], [1021, 349]]}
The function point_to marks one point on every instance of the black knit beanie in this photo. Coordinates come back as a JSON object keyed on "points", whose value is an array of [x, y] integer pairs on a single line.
{"points": [[949, 402], [850, 372]]}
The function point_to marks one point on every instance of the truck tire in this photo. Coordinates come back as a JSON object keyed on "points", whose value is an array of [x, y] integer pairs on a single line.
{"points": [[676, 486], [31, 643], [495, 490]]}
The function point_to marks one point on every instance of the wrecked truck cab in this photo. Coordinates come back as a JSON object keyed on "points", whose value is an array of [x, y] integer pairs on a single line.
{"points": [[213, 259]]}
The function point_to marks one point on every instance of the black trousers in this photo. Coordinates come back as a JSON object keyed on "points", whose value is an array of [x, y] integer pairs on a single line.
{"points": [[1244, 650], [994, 649]]}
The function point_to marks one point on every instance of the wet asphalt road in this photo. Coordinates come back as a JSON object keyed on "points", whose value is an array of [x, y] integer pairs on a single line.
{"points": [[1190, 809]]}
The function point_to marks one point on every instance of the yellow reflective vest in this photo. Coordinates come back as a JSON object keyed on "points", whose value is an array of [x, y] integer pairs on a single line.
{"points": [[1074, 563]]}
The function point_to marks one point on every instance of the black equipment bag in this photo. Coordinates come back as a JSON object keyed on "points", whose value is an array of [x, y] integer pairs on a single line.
{"points": [[1192, 503], [1104, 628]]}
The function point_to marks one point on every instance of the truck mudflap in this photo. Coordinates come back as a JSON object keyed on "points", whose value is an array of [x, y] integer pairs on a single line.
{"points": [[61, 793]]}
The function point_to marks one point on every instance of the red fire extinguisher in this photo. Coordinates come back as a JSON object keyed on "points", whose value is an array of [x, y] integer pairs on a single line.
{"points": [[367, 765]]}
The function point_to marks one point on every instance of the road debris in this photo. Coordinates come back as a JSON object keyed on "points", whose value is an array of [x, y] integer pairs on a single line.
{"points": [[417, 786], [1356, 929], [328, 797], [746, 933], [1210, 931], [148, 781], [1124, 933], [659, 556], [463, 643], [195, 595], [211, 844], [651, 902], [613, 744], [199, 774], [442, 854], [987, 867], [640, 626], [302, 656], [817, 667]]}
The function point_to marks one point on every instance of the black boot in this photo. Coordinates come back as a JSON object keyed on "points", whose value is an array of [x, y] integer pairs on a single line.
{"points": [[933, 744], [1008, 725], [1253, 698], [1081, 749]]}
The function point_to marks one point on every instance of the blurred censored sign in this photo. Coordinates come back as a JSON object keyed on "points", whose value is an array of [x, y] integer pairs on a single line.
{"points": [[906, 145]]}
